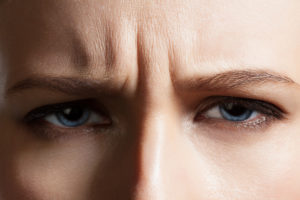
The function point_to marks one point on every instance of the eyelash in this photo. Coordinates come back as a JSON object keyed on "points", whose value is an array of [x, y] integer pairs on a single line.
{"points": [[267, 111], [35, 119]]}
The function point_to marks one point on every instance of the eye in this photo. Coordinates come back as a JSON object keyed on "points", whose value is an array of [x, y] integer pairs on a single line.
{"points": [[231, 112], [74, 116], [69, 115], [238, 111]]}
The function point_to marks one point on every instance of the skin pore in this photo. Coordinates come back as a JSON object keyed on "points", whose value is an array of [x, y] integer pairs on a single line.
{"points": [[152, 75]]}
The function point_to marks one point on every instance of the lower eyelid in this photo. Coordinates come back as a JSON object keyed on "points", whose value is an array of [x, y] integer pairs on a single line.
{"points": [[46, 130], [255, 122], [258, 123]]}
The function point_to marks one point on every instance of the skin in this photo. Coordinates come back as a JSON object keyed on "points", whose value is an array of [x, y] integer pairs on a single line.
{"points": [[145, 53]]}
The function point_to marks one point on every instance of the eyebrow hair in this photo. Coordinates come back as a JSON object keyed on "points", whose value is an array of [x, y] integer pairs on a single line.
{"points": [[80, 86], [68, 85], [235, 79]]}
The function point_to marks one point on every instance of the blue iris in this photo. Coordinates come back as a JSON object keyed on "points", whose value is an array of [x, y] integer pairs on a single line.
{"points": [[73, 116], [234, 112]]}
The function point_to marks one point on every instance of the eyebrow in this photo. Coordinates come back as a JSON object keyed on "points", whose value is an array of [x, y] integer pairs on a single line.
{"points": [[234, 79], [74, 86], [80, 86]]}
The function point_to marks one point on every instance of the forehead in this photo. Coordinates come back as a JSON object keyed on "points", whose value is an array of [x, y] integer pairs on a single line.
{"points": [[190, 32]]}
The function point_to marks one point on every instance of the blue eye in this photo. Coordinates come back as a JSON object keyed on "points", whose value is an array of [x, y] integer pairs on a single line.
{"points": [[74, 116], [236, 109], [69, 115], [231, 112], [237, 112]]}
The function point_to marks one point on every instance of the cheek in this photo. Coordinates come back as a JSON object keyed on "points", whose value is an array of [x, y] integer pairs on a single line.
{"points": [[280, 177], [25, 178], [42, 171], [285, 168], [30, 177], [21, 183], [287, 185]]}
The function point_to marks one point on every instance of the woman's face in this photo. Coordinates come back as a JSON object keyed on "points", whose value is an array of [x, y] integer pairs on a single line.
{"points": [[174, 99]]}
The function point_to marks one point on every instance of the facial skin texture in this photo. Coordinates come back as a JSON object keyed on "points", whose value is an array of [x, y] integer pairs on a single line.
{"points": [[146, 59]]}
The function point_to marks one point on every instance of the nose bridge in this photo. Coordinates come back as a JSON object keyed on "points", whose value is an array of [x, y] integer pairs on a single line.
{"points": [[166, 164], [157, 119], [152, 148], [150, 154]]}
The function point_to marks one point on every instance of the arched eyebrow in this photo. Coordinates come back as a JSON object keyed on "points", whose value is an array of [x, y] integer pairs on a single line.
{"points": [[234, 79], [79, 86]]}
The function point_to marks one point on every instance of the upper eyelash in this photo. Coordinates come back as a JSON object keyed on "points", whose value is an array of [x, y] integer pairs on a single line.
{"points": [[43, 111], [34, 120], [252, 104]]}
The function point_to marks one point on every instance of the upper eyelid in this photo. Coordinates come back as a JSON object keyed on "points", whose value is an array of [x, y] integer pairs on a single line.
{"points": [[204, 105], [45, 110], [269, 108]]}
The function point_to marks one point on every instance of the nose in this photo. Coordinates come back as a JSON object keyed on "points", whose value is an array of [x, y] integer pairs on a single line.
{"points": [[152, 149], [156, 159], [163, 171]]}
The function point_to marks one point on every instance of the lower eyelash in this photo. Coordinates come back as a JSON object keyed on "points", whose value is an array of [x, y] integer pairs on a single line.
{"points": [[259, 123], [253, 123], [45, 130]]}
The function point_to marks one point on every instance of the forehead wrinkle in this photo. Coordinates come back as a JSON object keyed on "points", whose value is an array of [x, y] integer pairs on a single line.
{"points": [[94, 46], [79, 56], [88, 54]]}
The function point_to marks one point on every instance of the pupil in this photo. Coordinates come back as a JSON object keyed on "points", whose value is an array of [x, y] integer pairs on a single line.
{"points": [[235, 110], [73, 114]]}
